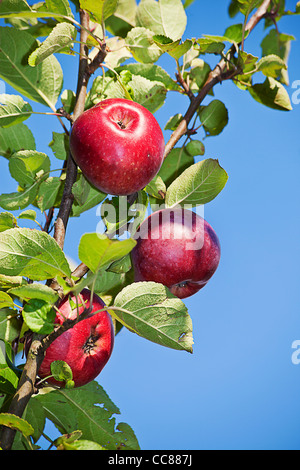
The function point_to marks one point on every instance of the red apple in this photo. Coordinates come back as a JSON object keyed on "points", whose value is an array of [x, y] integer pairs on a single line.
{"points": [[177, 248], [87, 346], [118, 145]]}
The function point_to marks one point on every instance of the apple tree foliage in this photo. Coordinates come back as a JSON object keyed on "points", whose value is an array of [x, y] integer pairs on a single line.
{"points": [[132, 36]]}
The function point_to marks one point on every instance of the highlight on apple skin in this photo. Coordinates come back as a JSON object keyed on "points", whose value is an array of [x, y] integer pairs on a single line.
{"points": [[119, 146], [87, 346], [177, 248]]}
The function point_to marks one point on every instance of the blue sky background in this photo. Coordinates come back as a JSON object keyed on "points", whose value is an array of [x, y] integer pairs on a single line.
{"points": [[239, 389]]}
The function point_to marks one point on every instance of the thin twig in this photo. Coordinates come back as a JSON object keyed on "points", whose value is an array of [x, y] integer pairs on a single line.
{"points": [[183, 83]]}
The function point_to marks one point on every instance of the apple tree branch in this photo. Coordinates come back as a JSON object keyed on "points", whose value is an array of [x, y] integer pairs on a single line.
{"points": [[26, 386]]}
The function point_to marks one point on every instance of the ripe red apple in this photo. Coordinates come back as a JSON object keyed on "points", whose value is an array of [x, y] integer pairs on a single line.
{"points": [[118, 145], [177, 248], [87, 346]]}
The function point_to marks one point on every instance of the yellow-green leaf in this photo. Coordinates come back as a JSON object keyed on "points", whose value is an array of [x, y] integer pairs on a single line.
{"points": [[97, 250], [14, 422]]}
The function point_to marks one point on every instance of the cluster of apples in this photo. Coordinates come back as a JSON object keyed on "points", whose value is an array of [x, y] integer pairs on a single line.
{"points": [[119, 146]]}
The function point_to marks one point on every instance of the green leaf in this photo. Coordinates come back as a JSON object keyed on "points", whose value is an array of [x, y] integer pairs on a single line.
{"points": [[105, 280], [173, 122], [187, 3], [81, 444], [21, 199], [233, 8], [42, 83], [152, 72], [48, 192], [118, 52], [96, 250], [175, 49], [174, 164], [79, 408], [11, 281], [26, 164], [164, 43], [8, 377], [15, 9], [278, 44], [35, 415], [7, 221], [61, 36], [72, 441], [10, 324], [190, 56], [148, 93], [39, 316], [99, 10], [195, 147], [61, 371], [13, 110], [73, 436], [5, 300], [15, 138], [29, 215], [81, 189], [122, 265], [150, 310], [93, 198], [214, 117], [198, 74], [14, 6], [210, 46], [271, 93], [104, 88], [126, 212], [271, 65], [31, 253], [123, 18], [68, 99], [198, 184], [234, 33], [34, 26], [35, 291], [109, 210], [181, 49], [166, 17], [142, 46], [248, 64], [61, 7], [156, 188], [246, 6], [14, 422]]}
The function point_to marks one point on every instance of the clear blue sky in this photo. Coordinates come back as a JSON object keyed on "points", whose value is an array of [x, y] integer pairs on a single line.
{"points": [[239, 389]]}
